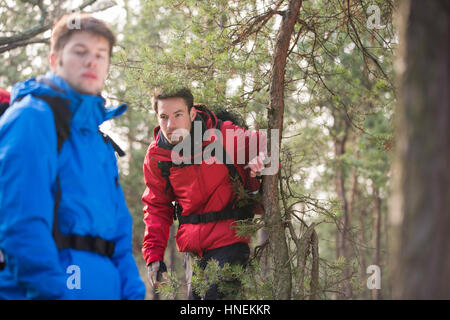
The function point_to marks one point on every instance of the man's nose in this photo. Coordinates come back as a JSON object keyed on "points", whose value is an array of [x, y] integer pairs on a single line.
{"points": [[171, 123], [91, 61]]}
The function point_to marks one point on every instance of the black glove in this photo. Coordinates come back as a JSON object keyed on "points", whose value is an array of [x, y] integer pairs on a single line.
{"points": [[155, 272]]}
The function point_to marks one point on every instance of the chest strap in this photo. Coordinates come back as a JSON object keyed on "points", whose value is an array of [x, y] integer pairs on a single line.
{"points": [[75, 241], [215, 216], [86, 243]]}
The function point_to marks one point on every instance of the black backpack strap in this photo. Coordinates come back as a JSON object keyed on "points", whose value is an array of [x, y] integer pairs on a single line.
{"points": [[165, 166], [231, 167], [62, 116], [215, 216], [3, 107], [116, 147], [74, 241]]}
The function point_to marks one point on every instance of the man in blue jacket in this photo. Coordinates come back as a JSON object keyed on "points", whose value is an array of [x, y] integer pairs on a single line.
{"points": [[65, 230]]}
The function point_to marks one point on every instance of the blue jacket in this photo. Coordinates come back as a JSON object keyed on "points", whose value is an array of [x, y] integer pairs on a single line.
{"points": [[92, 201]]}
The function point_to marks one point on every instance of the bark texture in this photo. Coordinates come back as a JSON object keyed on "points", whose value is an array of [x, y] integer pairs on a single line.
{"points": [[274, 221], [421, 205]]}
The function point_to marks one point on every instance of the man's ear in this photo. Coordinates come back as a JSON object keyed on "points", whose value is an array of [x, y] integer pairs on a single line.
{"points": [[53, 60], [193, 113]]}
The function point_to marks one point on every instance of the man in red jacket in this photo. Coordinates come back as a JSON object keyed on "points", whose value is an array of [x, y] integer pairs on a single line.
{"points": [[192, 162]]}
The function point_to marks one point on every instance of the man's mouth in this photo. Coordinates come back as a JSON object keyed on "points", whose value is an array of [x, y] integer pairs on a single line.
{"points": [[90, 75], [174, 138]]}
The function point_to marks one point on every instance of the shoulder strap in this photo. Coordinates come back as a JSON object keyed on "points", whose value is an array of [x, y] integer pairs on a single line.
{"points": [[62, 116], [116, 147], [3, 107], [165, 166]]}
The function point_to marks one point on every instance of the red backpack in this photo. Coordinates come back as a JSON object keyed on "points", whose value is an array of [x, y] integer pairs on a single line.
{"points": [[5, 96]]}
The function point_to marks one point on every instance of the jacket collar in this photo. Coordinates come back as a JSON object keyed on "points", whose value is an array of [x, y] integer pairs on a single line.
{"points": [[88, 111]]}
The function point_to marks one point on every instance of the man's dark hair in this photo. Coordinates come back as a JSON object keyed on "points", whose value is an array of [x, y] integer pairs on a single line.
{"points": [[69, 24], [183, 93]]}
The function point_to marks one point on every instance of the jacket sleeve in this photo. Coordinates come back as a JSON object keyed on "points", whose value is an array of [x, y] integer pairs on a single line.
{"points": [[158, 212], [133, 287], [28, 166], [243, 144]]}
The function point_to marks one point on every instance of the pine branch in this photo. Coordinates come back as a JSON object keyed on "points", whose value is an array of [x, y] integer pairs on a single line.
{"points": [[28, 36]]}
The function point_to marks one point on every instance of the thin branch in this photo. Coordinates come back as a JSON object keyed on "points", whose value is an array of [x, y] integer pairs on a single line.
{"points": [[26, 37], [359, 43], [256, 23]]}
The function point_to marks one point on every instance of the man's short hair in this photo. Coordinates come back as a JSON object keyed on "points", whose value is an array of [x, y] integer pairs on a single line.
{"points": [[69, 24], [184, 93]]}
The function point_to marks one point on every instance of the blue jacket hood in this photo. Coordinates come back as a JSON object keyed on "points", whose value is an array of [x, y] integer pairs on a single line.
{"points": [[88, 111]]}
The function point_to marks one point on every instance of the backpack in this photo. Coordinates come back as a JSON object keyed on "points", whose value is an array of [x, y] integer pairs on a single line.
{"points": [[4, 100], [62, 117], [253, 184], [237, 209]]}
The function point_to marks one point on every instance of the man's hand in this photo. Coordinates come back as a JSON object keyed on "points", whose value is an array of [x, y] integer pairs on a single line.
{"points": [[156, 271], [256, 165]]}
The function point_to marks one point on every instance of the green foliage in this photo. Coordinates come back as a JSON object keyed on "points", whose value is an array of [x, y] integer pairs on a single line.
{"points": [[22, 62], [234, 281], [171, 287]]}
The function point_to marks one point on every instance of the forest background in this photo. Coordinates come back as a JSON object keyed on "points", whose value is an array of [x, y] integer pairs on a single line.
{"points": [[324, 72]]}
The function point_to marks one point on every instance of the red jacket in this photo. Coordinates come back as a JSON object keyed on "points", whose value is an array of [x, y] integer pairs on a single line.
{"points": [[197, 188], [4, 96]]}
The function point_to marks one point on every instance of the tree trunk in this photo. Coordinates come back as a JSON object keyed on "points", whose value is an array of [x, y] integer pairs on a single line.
{"points": [[262, 237], [344, 223], [421, 203], [314, 285], [357, 212], [276, 229], [172, 248], [376, 293]]}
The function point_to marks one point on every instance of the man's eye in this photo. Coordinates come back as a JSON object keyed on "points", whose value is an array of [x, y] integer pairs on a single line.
{"points": [[80, 52]]}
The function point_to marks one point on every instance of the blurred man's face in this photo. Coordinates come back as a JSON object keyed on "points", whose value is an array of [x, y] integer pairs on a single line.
{"points": [[173, 115], [83, 62]]}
